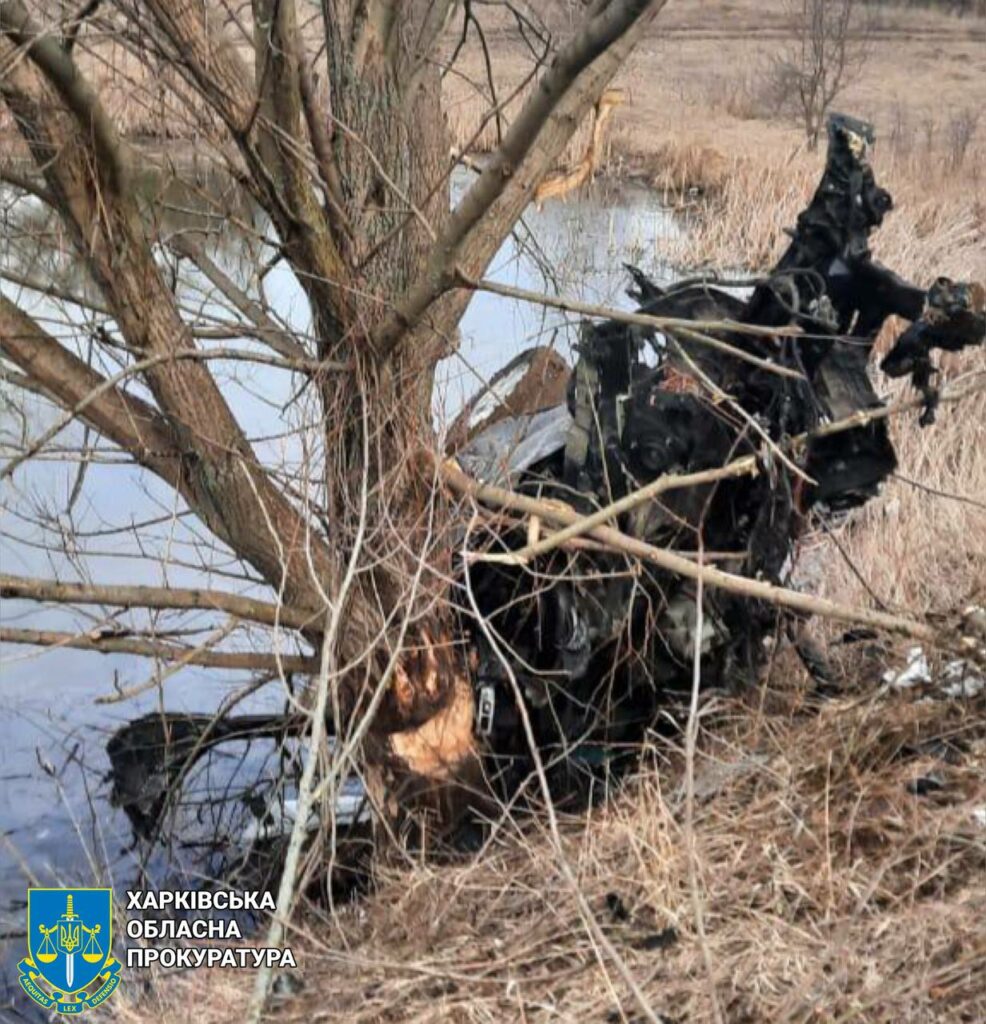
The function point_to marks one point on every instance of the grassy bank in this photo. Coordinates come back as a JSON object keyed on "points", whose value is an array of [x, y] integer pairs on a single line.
{"points": [[828, 891]]}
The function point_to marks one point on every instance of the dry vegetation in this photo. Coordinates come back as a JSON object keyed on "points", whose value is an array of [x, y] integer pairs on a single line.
{"points": [[829, 891]]}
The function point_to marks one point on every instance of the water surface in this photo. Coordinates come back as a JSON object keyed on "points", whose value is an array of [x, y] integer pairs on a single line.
{"points": [[55, 824]]}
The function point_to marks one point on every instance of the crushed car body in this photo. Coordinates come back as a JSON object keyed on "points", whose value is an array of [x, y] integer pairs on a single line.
{"points": [[589, 643], [595, 641]]}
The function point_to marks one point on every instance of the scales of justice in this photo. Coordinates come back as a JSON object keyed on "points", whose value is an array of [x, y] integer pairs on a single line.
{"points": [[70, 932]]}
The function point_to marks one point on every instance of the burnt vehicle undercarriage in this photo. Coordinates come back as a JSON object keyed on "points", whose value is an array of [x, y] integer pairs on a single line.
{"points": [[593, 642]]}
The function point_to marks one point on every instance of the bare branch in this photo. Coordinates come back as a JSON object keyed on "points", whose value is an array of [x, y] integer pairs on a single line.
{"points": [[693, 330], [265, 123], [127, 421], [223, 482], [59, 69], [178, 598], [267, 330], [238, 660]]}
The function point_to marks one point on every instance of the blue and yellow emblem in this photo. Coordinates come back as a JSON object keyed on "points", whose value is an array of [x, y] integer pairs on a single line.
{"points": [[70, 966]]}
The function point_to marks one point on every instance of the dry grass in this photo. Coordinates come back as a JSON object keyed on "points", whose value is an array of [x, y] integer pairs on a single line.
{"points": [[830, 892]]}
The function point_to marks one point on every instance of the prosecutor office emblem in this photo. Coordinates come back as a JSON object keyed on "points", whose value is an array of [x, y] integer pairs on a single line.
{"points": [[69, 967]]}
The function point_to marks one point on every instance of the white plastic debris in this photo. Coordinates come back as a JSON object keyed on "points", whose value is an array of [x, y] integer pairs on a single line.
{"points": [[961, 678], [957, 679], [914, 673]]}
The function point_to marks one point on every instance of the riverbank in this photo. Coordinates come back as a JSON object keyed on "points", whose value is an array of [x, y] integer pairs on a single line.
{"points": [[835, 882]]}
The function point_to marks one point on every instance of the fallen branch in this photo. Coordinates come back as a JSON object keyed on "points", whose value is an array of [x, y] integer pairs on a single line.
{"points": [[240, 660], [558, 512]]}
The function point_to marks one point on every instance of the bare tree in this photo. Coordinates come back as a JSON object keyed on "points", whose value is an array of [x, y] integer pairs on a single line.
{"points": [[331, 121], [828, 50]]}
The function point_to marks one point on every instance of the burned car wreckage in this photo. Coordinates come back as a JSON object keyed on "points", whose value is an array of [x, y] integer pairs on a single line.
{"points": [[592, 643], [595, 649]]}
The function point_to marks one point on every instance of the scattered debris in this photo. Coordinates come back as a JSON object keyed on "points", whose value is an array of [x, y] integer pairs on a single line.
{"points": [[587, 643], [961, 678], [958, 678]]}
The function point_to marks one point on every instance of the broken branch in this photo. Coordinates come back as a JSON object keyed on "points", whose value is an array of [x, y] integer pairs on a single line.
{"points": [[557, 512]]}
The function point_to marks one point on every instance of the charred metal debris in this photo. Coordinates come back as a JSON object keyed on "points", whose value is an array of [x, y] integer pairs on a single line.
{"points": [[595, 643]]}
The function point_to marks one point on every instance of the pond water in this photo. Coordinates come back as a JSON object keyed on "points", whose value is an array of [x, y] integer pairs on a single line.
{"points": [[56, 826]]}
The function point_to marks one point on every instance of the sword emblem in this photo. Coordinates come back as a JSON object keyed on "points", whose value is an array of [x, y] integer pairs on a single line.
{"points": [[69, 936]]}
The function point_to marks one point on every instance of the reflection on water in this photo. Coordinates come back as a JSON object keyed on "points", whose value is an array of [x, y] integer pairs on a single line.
{"points": [[54, 820], [576, 249]]}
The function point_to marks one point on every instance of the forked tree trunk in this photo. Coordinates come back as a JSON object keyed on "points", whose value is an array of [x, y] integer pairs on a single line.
{"points": [[387, 103], [348, 153]]}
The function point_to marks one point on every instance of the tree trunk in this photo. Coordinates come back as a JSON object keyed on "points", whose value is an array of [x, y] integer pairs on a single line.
{"points": [[352, 166]]}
